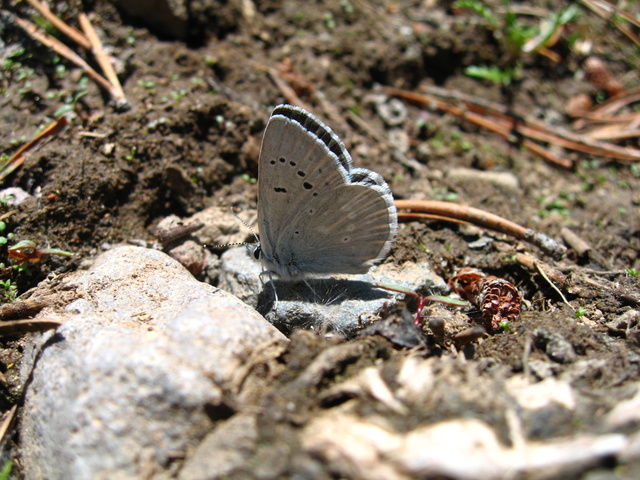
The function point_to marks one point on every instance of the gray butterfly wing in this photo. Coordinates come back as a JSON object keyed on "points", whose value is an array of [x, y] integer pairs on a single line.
{"points": [[311, 124], [291, 163], [323, 216], [344, 231]]}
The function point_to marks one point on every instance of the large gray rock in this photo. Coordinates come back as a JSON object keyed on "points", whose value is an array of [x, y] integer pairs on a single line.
{"points": [[146, 359]]}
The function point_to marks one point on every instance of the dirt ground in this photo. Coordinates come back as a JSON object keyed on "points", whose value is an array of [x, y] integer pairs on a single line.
{"points": [[191, 138]]}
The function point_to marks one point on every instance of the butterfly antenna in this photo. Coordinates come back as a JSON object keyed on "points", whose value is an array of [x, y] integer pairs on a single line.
{"points": [[248, 226], [237, 244], [222, 245]]}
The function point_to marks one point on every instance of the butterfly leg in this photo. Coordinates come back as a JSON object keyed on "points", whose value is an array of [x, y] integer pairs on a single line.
{"points": [[311, 288], [273, 286]]}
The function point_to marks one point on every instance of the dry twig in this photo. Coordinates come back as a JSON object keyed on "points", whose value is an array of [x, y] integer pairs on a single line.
{"points": [[553, 285], [454, 212], [610, 12], [23, 308], [533, 264], [13, 327], [61, 49], [574, 241], [18, 157], [101, 57], [73, 33], [288, 92], [284, 78], [498, 119], [7, 422], [88, 40], [611, 124]]}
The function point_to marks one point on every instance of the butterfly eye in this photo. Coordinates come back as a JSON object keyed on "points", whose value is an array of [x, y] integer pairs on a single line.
{"points": [[257, 253]]}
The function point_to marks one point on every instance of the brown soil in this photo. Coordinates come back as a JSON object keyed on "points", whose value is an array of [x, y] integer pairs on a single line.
{"points": [[191, 139]]}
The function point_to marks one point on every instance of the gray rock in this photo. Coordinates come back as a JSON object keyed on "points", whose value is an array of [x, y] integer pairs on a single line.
{"points": [[136, 373], [227, 447], [240, 275], [554, 345], [340, 302], [14, 195], [191, 256], [505, 180]]}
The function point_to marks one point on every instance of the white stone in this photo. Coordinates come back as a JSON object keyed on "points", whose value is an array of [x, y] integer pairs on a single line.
{"points": [[128, 382]]}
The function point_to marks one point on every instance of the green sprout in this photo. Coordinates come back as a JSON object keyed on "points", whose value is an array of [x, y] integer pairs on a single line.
{"points": [[347, 6], [494, 73], [632, 272], [580, 311], [249, 179], [12, 54], [23, 73], [329, 21], [517, 38], [179, 94], [8, 291], [5, 473], [61, 69], [26, 253], [4, 238], [436, 141], [148, 84], [504, 325], [421, 123], [131, 38], [444, 194], [422, 301], [557, 205], [510, 259], [70, 102], [132, 154]]}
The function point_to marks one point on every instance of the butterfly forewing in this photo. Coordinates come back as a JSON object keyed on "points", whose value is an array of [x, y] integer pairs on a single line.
{"points": [[292, 165], [313, 126]]}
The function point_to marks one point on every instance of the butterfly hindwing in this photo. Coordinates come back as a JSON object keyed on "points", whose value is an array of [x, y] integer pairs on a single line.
{"points": [[342, 232]]}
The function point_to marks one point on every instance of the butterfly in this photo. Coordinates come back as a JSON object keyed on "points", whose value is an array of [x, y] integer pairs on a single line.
{"points": [[317, 214]]}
